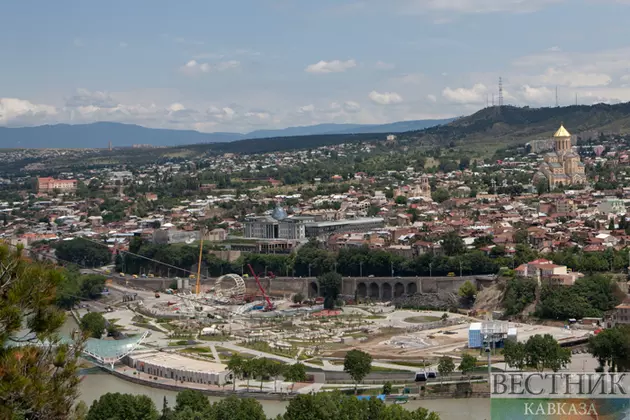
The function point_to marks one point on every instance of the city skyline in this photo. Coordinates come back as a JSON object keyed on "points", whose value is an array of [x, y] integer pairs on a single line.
{"points": [[251, 65]]}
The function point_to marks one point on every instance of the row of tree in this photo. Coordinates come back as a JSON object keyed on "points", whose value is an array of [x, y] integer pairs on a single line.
{"points": [[264, 368]]}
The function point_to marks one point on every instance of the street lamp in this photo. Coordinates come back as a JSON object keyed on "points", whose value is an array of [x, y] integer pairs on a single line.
{"points": [[360, 268], [309, 269], [430, 269]]}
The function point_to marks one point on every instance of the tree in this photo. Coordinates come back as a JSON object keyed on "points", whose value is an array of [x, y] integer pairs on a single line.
{"points": [[116, 406], [544, 352], [93, 323], [387, 388], [237, 408], [37, 381], [515, 355], [83, 252], [274, 369], [468, 291], [453, 244], [611, 224], [334, 405], [295, 373], [193, 400], [446, 366], [468, 363], [401, 200], [440, 195], [542, 186], [298, 298], [358, 365], [235, 365], [330, 287], [249, 369], [612, 347]]}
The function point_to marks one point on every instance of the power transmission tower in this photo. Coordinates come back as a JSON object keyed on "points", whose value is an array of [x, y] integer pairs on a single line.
{"points": [[500, 92]]}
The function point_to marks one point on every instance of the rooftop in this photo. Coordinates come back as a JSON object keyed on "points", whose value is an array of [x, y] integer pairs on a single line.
{"points": [[562, 132]]}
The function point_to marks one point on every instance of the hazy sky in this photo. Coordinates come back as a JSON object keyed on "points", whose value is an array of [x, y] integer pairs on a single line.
{"points": [[240, 65]]}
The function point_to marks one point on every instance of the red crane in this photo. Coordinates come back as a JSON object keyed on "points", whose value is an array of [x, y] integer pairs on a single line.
{"points": [[269, 306]]}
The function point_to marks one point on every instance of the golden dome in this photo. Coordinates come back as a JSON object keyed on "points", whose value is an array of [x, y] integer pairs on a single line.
{"points": [[562, 132]]}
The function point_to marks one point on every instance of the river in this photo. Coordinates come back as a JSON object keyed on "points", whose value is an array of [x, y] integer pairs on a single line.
{"points": [[94, 385]]}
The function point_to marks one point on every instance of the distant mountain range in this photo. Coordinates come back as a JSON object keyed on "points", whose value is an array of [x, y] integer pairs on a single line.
{"points": [[98, 135]]}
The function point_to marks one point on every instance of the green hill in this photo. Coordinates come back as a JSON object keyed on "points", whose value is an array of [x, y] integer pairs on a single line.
{"points": [[493, 127]]}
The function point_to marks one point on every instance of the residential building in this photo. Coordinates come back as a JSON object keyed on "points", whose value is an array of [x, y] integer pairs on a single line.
{"points": [[549, 272], [612, 205]]}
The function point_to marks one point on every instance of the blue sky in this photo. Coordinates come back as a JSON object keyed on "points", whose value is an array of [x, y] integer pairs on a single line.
{"points": [[240, 65]]}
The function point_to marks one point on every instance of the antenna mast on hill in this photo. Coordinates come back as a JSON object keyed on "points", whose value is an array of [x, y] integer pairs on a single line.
{"points": [[556, 96], [500, 92]]}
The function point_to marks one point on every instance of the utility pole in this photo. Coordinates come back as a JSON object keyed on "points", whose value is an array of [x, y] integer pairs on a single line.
{"points": [[430, 269], [199, 264], [392, 265], [309, 269]]}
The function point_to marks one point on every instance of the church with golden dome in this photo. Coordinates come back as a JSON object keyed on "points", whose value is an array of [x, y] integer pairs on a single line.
{"points": [[562, 166]]}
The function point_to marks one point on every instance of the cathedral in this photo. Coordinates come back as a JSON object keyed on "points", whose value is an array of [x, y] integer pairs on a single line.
{"points": [[562, 166]]}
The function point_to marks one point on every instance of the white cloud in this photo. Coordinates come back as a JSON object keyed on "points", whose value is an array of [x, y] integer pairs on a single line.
{"points": [[351, 106], [306, 109], [175, 107], [432, 98], [381, 65], [194, 67], [475, 6], [475, 95], [13, 110], [570, 78], [385, 98], [335, 66], [554, 49], [537, 95]]}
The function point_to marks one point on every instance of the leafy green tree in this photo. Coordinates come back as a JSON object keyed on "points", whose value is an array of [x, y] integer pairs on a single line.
{"points": [[116, 406], [274, 369], [515, 355], [192, 399], [446, 366], [467, 364], [453, 244], [440, 195], [542, 186], [519, 292], [468, 291], [387, 388], [83, 252], [401, 200], [93, 323], [298, 298], [358, 365], [330, 287], [544, 352], [237, 408], [36, 381], [235, 365], [334, 405], [295, 373], [612, 347]]}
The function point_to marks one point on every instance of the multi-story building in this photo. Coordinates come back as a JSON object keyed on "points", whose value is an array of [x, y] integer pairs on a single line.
{"points": [[612, 205], [621, 314], [50, 184], [549, 272]]}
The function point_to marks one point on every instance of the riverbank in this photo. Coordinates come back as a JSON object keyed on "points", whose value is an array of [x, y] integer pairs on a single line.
{"points": [[280, 391]]}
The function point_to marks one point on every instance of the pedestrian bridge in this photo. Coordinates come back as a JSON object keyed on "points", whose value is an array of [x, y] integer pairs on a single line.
{"points": [[104, 352]]}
